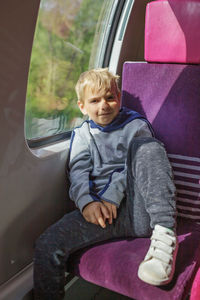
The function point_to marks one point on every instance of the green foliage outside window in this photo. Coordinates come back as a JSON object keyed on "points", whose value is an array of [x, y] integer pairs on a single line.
{"points": [[61, 51]]}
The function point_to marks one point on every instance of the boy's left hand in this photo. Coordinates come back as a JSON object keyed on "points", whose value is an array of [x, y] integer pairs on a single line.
{"points": [[112, 208]]}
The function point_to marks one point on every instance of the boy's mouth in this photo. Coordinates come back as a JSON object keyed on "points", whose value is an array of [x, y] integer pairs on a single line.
{"points": [[105, 114]]}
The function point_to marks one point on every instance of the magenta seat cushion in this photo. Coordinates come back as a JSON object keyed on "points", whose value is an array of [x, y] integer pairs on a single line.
{"points": [[114, 265], [172, 31], [195, 292]]}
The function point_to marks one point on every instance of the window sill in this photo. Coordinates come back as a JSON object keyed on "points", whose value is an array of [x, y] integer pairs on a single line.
{"points": [[46, 151]]}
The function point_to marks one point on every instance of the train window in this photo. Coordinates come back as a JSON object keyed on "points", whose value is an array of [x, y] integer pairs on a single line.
{"points": [[64, 37]]}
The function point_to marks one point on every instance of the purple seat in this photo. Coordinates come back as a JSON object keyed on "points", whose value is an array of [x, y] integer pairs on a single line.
{"points": [[169, 96], [171, 101], [114, 265]]}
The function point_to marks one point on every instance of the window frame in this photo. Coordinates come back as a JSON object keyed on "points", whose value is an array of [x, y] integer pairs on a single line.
{"points": [[113, 32], [52, 139]]}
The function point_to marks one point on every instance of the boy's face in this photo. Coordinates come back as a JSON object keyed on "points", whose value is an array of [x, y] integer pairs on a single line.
{"points": [[101, 106]]}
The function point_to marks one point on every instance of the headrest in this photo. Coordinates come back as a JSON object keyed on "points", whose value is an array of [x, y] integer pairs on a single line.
{"points": [[172, 31]]}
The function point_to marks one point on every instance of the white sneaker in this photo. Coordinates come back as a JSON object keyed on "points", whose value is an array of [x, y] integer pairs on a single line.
{"points": [[158, 266]]}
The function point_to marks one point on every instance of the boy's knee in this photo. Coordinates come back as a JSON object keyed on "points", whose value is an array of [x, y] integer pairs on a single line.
{"points": [[46, 249], [153, 147], [47, 240], [151, 152], [146, 147], [41, 244]]}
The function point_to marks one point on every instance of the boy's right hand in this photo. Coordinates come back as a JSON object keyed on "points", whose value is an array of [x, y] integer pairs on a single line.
{"points": [[96, 213]]}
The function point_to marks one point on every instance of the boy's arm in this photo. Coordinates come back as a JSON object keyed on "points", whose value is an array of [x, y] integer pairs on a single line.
{"points": [[80, 166], [145, 129], [115, 190]]}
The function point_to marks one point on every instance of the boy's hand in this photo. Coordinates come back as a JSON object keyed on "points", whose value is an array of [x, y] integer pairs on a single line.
{"points": [[112, 208], [96, 213]]}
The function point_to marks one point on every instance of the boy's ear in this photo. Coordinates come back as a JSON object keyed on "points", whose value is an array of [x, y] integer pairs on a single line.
{"points": [[81, 107], [119, 96]]}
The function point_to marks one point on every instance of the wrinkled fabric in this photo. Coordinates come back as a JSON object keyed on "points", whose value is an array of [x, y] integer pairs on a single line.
{"points": [[150, 200]]}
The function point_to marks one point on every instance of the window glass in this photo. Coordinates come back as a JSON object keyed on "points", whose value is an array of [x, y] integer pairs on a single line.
{"points": [[102, 33], [61, 51]]}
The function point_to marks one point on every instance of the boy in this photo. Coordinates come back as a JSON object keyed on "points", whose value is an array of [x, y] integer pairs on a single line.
{"points": [[121, 181]]}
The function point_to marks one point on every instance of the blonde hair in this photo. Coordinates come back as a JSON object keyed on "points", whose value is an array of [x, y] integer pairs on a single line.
{"points": [[96, 80]]}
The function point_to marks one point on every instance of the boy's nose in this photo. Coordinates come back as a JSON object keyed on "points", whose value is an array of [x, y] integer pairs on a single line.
{"points": [[104, 103]]}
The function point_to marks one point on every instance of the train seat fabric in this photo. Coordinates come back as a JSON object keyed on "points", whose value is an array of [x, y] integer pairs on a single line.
{"points": [[174, 36], [114, 265], [168, 95]]}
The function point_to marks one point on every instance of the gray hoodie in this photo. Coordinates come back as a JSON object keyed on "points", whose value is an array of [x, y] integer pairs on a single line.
{"points": [[97, 161]]}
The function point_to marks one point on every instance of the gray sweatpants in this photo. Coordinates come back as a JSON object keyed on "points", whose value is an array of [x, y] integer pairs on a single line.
{"points": [[150, 200]]}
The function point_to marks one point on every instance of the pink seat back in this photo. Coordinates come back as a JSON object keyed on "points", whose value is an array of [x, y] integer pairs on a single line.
{"points": [[172, 31]]}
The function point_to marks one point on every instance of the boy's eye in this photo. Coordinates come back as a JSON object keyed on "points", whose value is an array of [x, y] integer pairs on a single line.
{"points": [[110, 97], [93, 101]]}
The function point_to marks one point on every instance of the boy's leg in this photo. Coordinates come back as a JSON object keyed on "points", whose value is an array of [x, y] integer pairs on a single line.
{"points": [[152, 191], [150, 184], [53, 247]]}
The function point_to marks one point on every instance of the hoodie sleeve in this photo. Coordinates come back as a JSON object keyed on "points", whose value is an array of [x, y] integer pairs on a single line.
{"points": [[114, 191], [80, 166]]}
